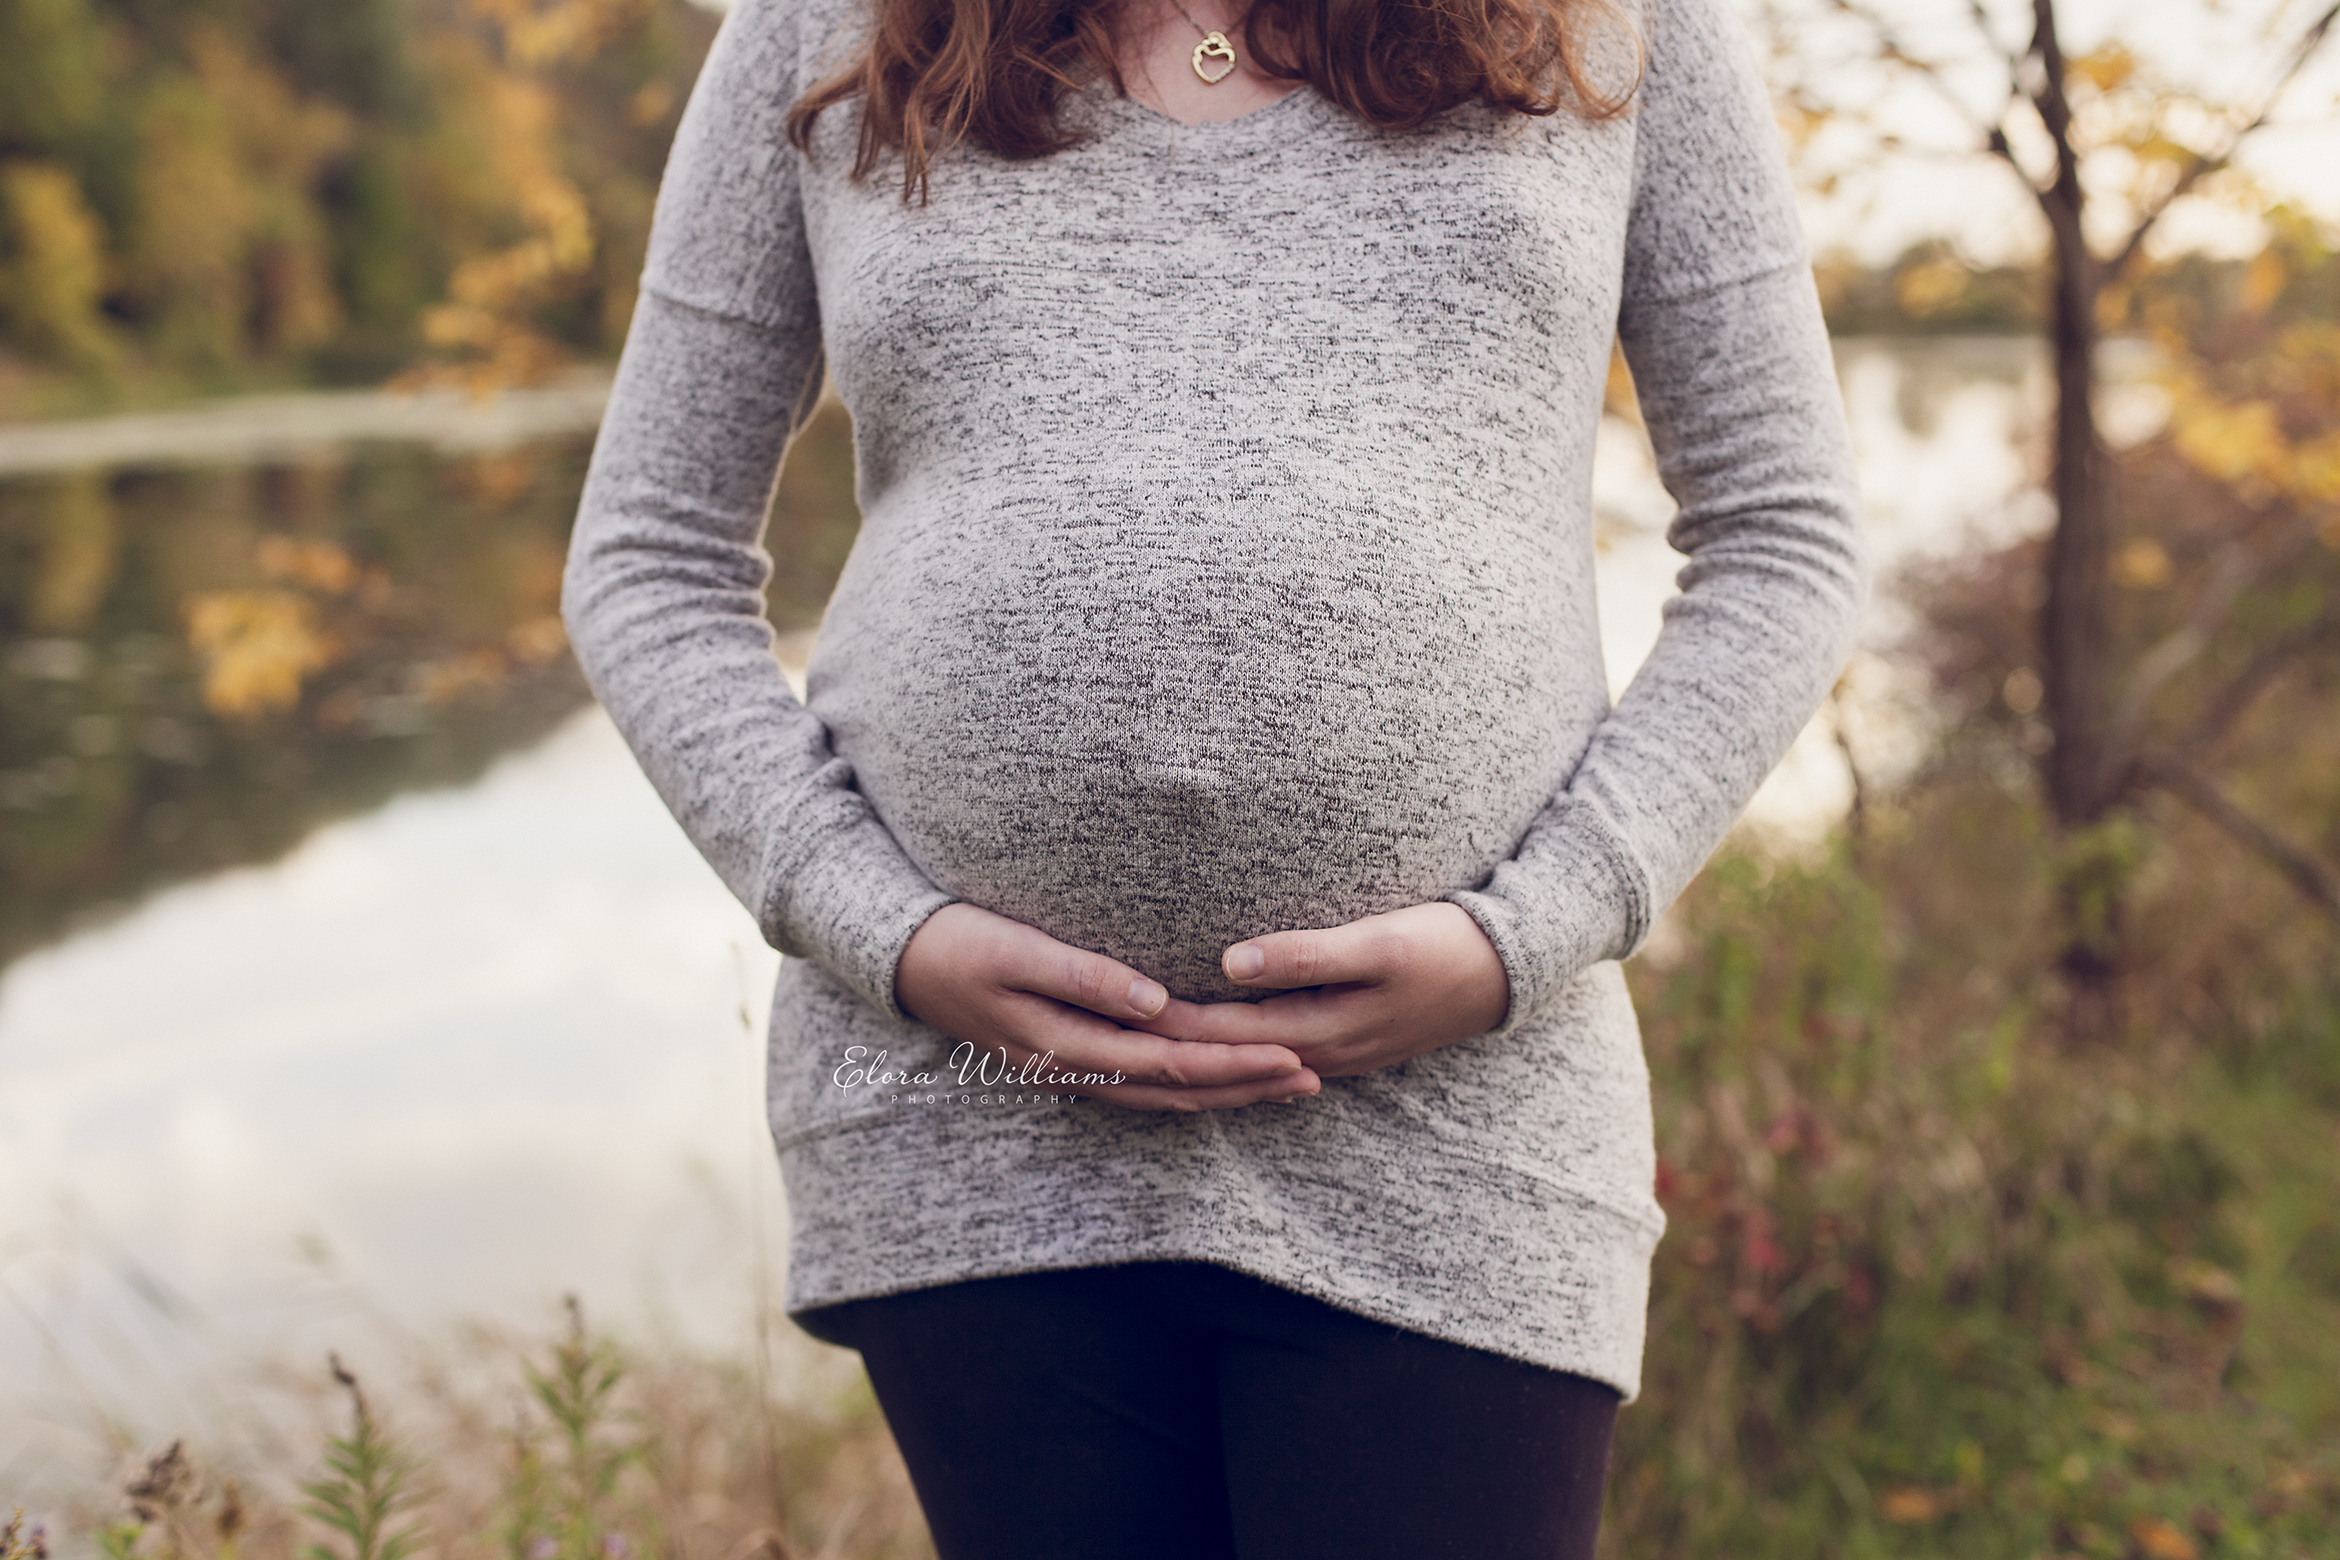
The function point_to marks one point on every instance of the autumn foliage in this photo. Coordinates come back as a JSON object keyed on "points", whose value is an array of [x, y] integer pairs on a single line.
{"points": [[210, 194]]}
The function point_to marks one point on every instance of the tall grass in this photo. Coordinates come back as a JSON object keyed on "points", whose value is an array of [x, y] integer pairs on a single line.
{"points": [[20, 1540], [575, 1449], [362, 1494], [1938, 1282]]}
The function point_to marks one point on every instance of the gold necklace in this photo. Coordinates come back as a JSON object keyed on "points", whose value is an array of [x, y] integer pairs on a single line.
{"points": [[1214, 48]]}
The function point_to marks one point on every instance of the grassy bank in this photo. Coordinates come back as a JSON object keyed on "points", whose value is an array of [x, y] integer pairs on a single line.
{"points": [[1936, 1283], [1940, 1280]]}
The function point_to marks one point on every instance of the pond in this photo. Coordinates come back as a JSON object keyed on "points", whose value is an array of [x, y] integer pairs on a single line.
{"points": [[355, 980]]}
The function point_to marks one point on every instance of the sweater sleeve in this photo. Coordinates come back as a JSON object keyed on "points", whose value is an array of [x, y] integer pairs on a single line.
{"points": [[663, 592], [1720, 323]]}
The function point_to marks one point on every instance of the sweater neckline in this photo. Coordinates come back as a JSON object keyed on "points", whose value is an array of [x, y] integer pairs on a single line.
{"points": [[1270, 124]]}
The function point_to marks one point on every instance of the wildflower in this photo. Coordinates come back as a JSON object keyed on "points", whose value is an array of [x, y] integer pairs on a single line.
{"points": [[18, 1542]]}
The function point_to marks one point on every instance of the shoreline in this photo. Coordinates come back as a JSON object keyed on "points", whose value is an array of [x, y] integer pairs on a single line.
{"points": [[245, 430]]}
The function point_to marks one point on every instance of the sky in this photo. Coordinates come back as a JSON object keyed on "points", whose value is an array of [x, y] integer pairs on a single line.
{"points": [[2226, 51]]}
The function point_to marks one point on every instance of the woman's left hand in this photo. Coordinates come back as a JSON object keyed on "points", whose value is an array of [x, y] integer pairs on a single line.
{"points": [[1376, 991]]}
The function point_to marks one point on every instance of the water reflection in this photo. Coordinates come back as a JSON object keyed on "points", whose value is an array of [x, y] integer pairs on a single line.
{"points": [[198, 666], [480, 1046]]}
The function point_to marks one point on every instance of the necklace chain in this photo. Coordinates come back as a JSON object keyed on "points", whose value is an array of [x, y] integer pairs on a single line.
{"points": [[1215, 49]]}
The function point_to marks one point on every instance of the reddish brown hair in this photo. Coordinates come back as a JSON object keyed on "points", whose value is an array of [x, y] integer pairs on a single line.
{"points": [[994, 71]]}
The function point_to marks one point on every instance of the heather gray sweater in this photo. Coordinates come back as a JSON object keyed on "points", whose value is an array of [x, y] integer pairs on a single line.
{"points": [[1226, 566]]}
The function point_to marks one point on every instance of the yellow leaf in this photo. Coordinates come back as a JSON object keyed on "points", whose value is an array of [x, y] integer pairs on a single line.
{"points": [[2154, 147], [2315, 470], [257, 646], [2211, 1288], [651, 104], [277, 142], [1930, 286], [318, 565], [2263, 282], [2112, 306], [2229, 441], [538, 640], [2160, 1540], [2142, 564], [2106, 69], [440, 681], [53, 274], [79, 555], [488, 321], [1912, 1505]]}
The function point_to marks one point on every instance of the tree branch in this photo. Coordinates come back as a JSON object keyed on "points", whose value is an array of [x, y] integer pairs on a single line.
{"points": [[2302, 50], [2062, 200], [1982, 24], [2055, 108], [1992, 131], [2228, 703], [2236, 572], [2311, 877]]}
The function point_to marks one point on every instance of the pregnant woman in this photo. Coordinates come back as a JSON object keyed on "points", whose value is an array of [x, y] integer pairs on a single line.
{"points": [[1204, 1081]]}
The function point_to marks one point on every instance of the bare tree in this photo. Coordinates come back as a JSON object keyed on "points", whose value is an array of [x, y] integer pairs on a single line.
{"points": [[2103, 755]]}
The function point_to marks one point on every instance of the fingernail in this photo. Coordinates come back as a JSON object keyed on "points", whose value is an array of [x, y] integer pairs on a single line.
{"points": [[1244, 960], [1145, 998]]}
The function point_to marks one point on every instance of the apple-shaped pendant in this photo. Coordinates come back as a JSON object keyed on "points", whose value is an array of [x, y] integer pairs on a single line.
{"points": [[1220, 53]]}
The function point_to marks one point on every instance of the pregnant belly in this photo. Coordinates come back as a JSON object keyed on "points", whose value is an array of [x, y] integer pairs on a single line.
{"points": [[1154, 743]]}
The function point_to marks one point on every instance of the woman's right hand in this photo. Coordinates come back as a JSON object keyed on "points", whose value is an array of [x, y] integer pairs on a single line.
{"points": [[1012, 989]]}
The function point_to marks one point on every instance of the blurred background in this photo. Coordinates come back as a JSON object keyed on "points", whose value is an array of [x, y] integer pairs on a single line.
{"points": [[357, 997]]}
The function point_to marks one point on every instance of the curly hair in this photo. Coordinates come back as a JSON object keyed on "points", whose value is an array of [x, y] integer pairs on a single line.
{"points": [[994, 72]]}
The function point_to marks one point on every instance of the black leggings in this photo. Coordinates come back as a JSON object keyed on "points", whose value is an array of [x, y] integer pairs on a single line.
{"points": [[1187, 1411]]}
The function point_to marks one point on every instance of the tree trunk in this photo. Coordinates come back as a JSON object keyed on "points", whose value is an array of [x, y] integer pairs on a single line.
{"points": [[2075, 646]]}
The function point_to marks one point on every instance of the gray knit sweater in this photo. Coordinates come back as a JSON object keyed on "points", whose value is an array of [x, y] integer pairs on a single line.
{"points": [[1226, 566]]}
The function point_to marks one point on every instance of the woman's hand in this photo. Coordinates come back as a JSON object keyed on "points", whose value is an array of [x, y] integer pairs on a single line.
{"points": [[1010, 988], [1378, 991]]}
